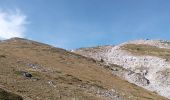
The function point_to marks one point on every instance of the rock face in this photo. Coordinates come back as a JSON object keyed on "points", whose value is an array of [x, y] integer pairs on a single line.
{"points": [[143, 68]]}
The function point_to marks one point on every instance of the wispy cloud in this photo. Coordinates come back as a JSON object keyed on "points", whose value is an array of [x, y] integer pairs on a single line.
{"points": [[12, 24]]}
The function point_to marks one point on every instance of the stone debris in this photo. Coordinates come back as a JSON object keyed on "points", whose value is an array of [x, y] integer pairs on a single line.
{"points": [[51, 83], [145, 71]]}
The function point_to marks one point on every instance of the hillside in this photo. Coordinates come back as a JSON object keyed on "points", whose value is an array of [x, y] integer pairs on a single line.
{"points": [[4, 95], [142, 62], [37, 71]]}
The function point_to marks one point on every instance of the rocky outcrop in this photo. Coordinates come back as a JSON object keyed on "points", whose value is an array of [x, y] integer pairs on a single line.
{"points": [[150, 72]]}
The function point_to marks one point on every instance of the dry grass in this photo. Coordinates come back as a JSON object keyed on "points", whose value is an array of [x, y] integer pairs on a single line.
{"points": [[62, 75], [140, 49], [4, 95]]}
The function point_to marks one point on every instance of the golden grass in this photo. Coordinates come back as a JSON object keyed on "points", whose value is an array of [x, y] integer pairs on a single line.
{"points": [[140, 49]]}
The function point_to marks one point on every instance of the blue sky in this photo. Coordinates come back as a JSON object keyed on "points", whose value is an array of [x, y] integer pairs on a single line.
{"points": [[73, 24]]}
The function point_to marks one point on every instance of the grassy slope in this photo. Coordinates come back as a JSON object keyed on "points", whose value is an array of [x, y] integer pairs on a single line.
{"points": [[140, 49], [72, 75], [4, 95]]}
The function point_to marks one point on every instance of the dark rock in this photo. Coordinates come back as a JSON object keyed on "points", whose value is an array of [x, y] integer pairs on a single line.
{"points": [[101, 60], [26, 74]]}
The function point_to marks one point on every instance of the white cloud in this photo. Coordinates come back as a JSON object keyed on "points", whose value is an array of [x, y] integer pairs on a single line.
{"points": [[12, 24]]}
